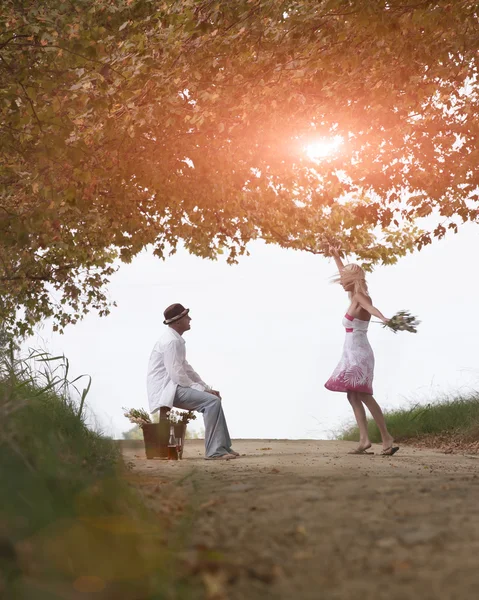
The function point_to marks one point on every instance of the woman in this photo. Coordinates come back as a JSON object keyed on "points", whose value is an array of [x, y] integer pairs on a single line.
{"points": [[354, 373]]}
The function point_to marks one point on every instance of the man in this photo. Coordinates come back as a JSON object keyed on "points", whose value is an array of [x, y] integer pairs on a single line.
{"points": [[171, 381]]}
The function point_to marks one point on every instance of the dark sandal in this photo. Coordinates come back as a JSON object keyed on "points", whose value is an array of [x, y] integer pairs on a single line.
{"points": [[361, 450], [390, 451]]}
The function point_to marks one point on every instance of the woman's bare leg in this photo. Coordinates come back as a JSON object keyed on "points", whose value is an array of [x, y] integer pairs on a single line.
{"points": [[360, 415], [378, 416]]}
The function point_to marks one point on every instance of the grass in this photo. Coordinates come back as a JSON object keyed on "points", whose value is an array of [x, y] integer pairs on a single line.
{"points": [[457, 415], [69, 521]]}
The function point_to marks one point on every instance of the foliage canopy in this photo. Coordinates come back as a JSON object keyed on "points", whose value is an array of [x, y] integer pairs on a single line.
{"points": [[134, 122]]}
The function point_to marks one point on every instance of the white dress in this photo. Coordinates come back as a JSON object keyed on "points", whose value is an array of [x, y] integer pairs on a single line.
{"points": [[355, 370]]}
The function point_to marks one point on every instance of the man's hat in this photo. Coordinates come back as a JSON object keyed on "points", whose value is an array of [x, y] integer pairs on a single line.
{"points": [[174, 313]]}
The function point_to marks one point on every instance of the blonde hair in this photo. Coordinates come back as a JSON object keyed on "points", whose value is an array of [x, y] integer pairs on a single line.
{"points": [[353, 274]]}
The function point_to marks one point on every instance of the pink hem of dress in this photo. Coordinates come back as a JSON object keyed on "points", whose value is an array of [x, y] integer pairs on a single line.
{"points": [[337, 386]]}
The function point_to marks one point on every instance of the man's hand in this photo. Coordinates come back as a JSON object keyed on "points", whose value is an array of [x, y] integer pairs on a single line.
{"points": [[216, 393]]}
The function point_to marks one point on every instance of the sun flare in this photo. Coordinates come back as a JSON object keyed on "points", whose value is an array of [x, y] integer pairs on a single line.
{"points": [[322, 148]]}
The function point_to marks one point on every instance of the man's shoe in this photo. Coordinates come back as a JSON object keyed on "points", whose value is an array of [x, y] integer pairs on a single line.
{"points": [[221, 457]]}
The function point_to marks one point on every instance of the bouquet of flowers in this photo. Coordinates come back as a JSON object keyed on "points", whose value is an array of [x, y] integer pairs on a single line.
{"points": [[180, 416], [138, 416], [403, 321]]}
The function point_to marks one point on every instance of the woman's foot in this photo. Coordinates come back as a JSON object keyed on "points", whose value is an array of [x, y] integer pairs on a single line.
{"points": [[361, 449], [388, 442]]}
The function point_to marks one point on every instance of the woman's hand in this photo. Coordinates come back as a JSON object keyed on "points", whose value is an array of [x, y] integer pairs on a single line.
{"points": [[334, 251]]}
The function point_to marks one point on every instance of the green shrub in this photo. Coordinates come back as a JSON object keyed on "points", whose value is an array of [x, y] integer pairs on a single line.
{"points": [[69, 521], [445, 415]]}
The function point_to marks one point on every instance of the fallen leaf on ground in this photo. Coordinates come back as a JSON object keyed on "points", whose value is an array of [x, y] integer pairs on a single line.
{"points": [[301, 530], [302, 555], [265, 574], [215, 584], [388, 542], [399, 566], [88, 584], [211, 503]]}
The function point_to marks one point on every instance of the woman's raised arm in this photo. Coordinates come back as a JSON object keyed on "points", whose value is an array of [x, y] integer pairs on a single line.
{"points": [[337, 259]]}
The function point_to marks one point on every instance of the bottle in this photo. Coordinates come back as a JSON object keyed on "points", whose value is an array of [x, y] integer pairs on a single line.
{"points": [[172, 446], [179, 443]]}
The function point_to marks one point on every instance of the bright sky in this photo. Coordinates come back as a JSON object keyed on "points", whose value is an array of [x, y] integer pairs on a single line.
{"points": [[267, 333]]}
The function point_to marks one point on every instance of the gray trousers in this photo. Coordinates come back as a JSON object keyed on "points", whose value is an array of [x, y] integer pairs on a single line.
{"points": [[217, 438]]}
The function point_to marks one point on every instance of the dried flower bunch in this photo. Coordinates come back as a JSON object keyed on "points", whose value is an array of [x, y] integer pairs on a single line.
{"points": [[180, 416], [138, 416], [403, 321]]}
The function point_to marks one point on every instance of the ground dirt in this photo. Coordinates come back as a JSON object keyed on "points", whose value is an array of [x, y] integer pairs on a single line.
{"points": [[305, 520]]}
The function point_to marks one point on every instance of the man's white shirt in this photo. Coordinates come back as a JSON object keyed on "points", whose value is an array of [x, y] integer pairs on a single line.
{"points": [[167, 369]]}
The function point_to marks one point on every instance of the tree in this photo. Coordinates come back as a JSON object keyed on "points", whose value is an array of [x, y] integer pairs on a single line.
{"points": [[141, 122]]}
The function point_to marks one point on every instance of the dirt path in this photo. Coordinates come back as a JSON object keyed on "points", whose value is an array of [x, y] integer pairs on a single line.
{"points": [[304, 520]]}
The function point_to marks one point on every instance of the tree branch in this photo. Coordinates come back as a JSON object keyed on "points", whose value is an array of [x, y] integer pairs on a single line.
{"points": [[93, 60]]}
